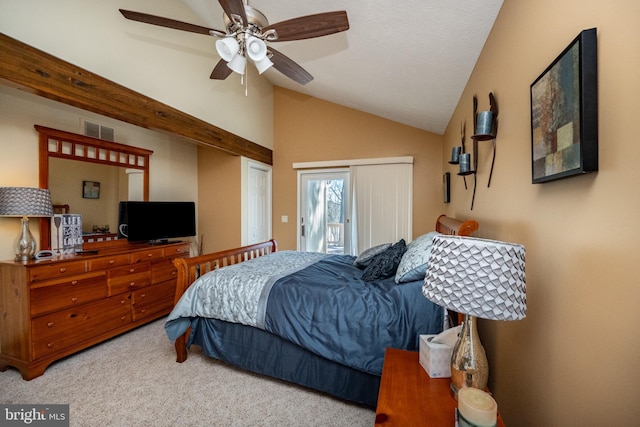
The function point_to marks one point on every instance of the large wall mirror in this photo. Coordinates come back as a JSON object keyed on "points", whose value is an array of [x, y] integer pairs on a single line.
{"points": [[89, 176]]}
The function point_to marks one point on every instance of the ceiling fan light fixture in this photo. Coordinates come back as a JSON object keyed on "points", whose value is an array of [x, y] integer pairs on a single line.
{"points": [[238, 64], [263, 65], [256, 48], [227, 48]]}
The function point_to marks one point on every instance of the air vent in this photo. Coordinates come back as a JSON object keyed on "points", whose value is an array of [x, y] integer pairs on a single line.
{"points": [[97, 130]]}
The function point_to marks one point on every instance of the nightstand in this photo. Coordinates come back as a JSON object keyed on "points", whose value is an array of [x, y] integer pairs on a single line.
{"points": [[409, 397]]}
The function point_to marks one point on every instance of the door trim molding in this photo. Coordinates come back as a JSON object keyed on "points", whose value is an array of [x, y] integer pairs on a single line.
{"points": [[352, 162]]}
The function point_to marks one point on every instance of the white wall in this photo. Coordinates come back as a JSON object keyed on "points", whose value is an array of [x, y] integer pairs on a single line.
{"points": [[173, 164], [170, 66]]}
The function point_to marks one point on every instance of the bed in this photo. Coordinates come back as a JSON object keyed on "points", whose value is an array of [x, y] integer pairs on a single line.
{"points": [[321, 321]]}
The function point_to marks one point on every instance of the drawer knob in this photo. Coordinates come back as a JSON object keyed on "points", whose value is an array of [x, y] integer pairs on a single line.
{"points": [[74, 282], [132, 284], [143, 295], [131, 270], [49, 345], [123, 318], [149, 255], [74, 299], [124, 301], [112, 261], [62, 269], [50, 325], [143, 311]]}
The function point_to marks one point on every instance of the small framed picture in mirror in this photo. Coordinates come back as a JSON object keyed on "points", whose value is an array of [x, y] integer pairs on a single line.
{"points": [[90, 190]]}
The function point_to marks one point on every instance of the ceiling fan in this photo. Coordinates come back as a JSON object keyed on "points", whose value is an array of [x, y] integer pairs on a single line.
{"points": [[247, 33]]}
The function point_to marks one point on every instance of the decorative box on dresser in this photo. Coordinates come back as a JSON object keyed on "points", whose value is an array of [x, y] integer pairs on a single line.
{"points": [[50, 309]]}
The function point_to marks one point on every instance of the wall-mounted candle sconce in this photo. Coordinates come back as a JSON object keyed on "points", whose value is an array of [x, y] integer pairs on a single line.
{"points": [[485, 125]]}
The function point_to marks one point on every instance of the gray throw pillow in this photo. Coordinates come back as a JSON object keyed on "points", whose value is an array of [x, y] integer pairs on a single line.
{"points": [[385, 264], [367, 255], [414, 262]]}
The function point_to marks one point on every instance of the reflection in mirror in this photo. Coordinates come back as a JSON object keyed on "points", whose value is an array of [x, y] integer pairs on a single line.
{"points": [[90, 176], [66, 178]]}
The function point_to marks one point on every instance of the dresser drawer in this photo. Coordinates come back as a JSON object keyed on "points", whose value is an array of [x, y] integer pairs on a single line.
{"points": [[57, 331], [177, 251], [152, 300], [55, 270], [54, 295], [147, 255], [162, 271], [130, 277], [108, 262]]}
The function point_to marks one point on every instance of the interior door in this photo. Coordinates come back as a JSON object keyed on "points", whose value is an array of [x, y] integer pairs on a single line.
{"points": [[258, 227], [324, 224]]}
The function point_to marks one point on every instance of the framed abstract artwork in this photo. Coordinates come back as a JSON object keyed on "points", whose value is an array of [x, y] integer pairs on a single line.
{"points": [[564, 113]]}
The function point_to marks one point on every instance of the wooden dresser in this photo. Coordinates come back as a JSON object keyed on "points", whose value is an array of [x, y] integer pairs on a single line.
{"points": [[52, 308]]}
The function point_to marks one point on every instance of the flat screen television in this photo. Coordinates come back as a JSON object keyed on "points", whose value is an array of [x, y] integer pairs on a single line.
{"points": [[156, 222]]}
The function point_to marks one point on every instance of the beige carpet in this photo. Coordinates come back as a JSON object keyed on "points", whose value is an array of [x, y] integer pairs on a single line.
{"points": [[133, 380]]}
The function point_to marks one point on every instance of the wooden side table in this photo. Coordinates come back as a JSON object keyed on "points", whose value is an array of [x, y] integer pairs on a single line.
{"points": [[409, 397]]}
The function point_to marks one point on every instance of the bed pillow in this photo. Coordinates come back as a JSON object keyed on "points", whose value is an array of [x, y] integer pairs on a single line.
{"points": [[385, 263], [414, 262], [367, 255]]}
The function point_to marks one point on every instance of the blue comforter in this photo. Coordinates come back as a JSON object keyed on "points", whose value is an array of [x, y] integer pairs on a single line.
{"points": [[326, 308]]}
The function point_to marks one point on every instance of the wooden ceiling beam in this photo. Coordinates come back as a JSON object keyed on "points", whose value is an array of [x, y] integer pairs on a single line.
{"points": [[38, 72]]}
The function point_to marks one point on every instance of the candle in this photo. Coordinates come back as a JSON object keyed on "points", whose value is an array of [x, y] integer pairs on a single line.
{"points": [[483, 125], [455, 155], [476, 408], [465, 163]]}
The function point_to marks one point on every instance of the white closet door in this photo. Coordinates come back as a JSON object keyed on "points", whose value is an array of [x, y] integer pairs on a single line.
{"points": [[256, 211]]}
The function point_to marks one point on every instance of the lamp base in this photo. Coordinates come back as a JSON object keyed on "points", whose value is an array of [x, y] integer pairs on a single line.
{"points": [[469, 365], [25, 245]]}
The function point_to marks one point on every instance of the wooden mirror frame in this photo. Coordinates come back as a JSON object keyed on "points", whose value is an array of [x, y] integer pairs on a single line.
{"points": [[71, 146]]}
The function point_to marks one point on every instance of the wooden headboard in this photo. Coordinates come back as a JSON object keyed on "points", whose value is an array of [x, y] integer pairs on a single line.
{"points": [[452, 226]]}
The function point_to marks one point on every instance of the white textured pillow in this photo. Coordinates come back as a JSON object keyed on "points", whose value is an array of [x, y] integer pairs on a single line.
{"points": [[414, 262], [367, 255]]}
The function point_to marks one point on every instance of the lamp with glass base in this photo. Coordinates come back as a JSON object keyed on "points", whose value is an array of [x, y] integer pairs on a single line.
{"points": [[25, 202], [478, 278]]}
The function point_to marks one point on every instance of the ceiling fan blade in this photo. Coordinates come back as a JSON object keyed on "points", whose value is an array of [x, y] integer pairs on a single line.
{"points": [[168, 23], [234, 7], [221, 71], [289, 68], [306, 27]]}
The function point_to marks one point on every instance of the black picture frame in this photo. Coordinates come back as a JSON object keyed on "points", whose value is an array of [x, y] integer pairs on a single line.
{"points": [[446, 187], [90, 190], [564, 113]]}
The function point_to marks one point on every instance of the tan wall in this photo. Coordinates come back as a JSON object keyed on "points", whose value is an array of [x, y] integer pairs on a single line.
{"points": [[309, 129], [573, 360], [219, 193]]}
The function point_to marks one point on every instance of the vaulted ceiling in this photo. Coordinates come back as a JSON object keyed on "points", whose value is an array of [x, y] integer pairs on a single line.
{"points": [[407, 61]]}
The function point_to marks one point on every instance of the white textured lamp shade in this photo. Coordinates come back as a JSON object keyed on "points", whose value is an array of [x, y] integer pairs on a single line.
{"points": [[478, 277], [25, 201]]}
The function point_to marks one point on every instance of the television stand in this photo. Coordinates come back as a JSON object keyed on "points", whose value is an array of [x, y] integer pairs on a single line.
{"points": [[164, 242]]}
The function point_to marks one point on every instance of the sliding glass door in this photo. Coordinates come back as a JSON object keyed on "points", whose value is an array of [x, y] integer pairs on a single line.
{"points": [[324, 224]]}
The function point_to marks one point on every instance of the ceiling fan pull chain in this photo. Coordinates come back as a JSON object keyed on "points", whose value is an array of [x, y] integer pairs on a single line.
{"points": [[246, 82]]}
